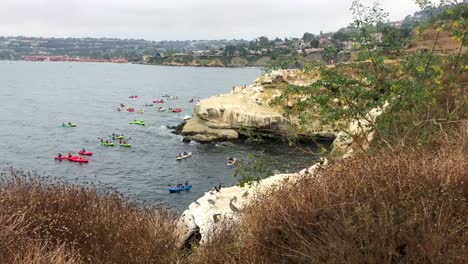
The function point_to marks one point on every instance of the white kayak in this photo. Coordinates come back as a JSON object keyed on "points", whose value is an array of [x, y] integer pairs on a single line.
{"points": [[231, 162], [184, 156]]}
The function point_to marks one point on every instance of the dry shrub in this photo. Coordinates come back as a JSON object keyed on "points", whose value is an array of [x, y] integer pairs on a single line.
{"points": [[400, 207], [73, 223], [38, 253]]}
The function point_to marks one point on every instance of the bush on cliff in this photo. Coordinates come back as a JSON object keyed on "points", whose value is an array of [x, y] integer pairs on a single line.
{"points": [[422, 93], [395, 207], [48, 221]]}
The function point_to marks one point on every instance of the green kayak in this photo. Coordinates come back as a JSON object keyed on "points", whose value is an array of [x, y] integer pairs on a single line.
{"points": [[110, 144], [126, 145], [138, 122]]}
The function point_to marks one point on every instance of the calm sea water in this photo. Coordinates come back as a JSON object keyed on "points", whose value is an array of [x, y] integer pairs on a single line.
{"points": [[37, 97]]}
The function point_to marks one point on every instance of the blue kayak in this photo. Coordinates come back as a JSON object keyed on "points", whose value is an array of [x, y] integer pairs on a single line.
{"points": [[178, 189]]}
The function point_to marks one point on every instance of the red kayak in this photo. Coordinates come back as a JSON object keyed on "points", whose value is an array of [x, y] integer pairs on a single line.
{"points": [[130, 110], [177, 110], [158, 101], [87, 153], [61, 158], [133, 96], [78, 159]]}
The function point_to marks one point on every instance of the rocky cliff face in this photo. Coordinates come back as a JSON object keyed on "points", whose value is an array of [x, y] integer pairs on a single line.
{"points": [[247, 109], [220, 117], [227, 204]]}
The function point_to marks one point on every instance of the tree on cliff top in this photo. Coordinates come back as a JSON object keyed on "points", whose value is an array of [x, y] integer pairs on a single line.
{"points": [[424, 91]]}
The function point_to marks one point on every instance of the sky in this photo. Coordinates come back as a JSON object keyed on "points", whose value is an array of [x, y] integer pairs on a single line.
{"points": [[182, 19]]}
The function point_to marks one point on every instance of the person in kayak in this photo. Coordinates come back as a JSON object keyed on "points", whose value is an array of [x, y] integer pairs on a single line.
{"points": [[59, 155], [69, 155], [102, 140], [83, 150]]}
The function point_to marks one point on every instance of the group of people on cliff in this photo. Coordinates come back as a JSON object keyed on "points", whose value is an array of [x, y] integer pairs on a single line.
{"points": [[242, 88]]}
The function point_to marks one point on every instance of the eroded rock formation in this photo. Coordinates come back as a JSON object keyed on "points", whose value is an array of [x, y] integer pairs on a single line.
{"points": [[248, 109]]}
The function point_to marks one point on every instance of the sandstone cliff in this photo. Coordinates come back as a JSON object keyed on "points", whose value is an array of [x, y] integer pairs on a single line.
{"points": [[248, 109]]}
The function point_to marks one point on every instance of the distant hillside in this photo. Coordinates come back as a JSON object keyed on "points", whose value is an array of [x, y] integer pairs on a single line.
{"points": [[14, 48]]}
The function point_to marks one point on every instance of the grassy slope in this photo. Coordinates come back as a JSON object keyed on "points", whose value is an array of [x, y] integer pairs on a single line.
{"points": [[44, 222], [401, 207]]}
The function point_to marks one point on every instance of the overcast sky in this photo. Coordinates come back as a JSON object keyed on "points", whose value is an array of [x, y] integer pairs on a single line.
{"points": [[181, 19]]}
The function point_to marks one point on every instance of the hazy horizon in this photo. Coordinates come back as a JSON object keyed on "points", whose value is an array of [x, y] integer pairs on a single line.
{"points": [[157, 20]]}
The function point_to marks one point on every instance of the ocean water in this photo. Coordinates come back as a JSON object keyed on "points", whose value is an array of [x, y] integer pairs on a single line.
{"points": [[36, 97]]}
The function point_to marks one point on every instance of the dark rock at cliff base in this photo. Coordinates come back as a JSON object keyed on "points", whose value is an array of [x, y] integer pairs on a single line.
{"points": [[177, 129]]}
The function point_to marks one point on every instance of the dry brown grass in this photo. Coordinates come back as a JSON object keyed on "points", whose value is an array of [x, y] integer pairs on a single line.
{"points": [[400, 207], [45, 221]]}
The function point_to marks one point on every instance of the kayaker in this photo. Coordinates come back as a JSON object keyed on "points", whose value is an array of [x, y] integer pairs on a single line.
{"points": [[69, 123], [185, 153], [83, 150], [59, 155], [102, 140], [69, 155]]}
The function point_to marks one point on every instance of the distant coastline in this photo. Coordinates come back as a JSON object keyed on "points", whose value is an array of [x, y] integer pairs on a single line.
{"points": [[72, 59], [125, 61]]}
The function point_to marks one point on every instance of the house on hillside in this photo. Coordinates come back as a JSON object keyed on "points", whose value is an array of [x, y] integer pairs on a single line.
{"points": [[325, 42]]}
